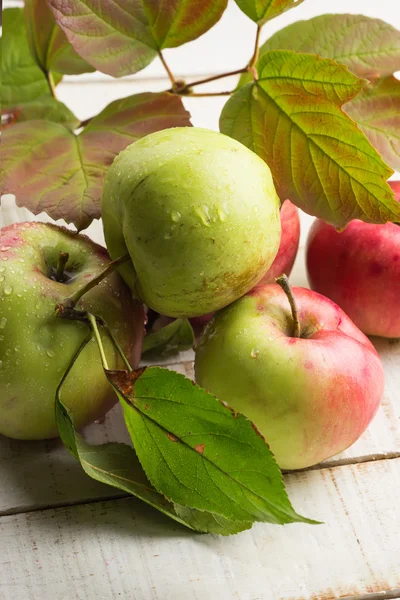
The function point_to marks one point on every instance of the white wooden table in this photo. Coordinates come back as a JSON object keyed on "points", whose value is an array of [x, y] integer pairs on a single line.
{"points": [[66, 537]]}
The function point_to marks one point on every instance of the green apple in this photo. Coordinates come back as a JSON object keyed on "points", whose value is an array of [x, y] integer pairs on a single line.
{"points": [[199, 216], [311, 396], [36, 346]]}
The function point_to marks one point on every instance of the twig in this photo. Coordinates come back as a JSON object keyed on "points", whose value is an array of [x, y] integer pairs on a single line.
{"points": [[74, 299], [252, 66], [166, 67], [210, 94]]}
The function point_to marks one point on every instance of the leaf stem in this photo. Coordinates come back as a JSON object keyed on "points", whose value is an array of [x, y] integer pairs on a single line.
{"points": [[253, 61], [50, 81], [85, 122], [74, 359], [204, 95], [116, 344], [284, 283], [74, 299], [166, 67], [95, 329]]}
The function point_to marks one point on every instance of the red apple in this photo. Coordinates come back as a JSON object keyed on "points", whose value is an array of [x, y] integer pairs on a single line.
{"points": [[288, 246], [359, 269], [285, 258], [310, 396]]}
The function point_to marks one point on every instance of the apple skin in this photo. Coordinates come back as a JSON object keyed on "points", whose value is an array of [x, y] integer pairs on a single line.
{"points": [[288, 246], [359, 269], [310, 397], [284, 260], [199, 215], [36, 346]]}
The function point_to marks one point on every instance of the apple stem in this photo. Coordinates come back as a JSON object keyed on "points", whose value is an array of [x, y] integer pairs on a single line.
{"points": [[283, 281], [74, 299], [93, 323], [63, 258]]}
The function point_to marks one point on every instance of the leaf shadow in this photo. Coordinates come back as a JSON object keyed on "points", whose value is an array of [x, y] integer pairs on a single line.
{"points": [[42, 478]]}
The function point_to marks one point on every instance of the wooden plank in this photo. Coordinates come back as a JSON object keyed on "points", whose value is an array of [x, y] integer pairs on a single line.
{"points": [[124, 549]]}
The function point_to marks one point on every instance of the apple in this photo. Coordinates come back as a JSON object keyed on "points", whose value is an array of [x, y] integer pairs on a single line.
{"points": [[36, 346], [199, 216], [284, 260], [359, 269], [288, 246], [310, 396]]}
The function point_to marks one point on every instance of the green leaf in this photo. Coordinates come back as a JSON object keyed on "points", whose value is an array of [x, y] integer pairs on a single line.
{"points": [[117, 465], [207, 522], [48, 43], [292, 118], [51, 169], [174, 337], [47, 108], [22, 79], [199, 453], [377, 111], [369, 47], [123, 39], [261, 11]]}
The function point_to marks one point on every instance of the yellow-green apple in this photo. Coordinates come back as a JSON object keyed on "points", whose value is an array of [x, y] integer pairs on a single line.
{"points": [[310, 396], [199, 216], [284, 260], [359, 269], [36, 346]]}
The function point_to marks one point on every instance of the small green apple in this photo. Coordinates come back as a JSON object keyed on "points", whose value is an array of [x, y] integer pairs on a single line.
{"points": [[199, 216], [36, 346]]}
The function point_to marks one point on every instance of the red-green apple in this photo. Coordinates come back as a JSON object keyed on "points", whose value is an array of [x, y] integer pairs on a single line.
{"points": [[36, 346], [310, 396], [284, 260], [359, 269], [199, 216]]}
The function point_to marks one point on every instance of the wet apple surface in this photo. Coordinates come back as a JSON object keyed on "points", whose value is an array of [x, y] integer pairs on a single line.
{"points": [[310, 396], [199, 215], [36, 346]]}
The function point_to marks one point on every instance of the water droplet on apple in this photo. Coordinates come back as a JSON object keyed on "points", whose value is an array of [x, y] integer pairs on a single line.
{"points": [[176, 216], [50, 353], [254, 353], [5, 248], [8, 290], [3, 323], [221, 214]]}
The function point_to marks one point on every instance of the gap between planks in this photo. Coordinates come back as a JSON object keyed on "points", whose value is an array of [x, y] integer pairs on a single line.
{"points": [[385, 595]]}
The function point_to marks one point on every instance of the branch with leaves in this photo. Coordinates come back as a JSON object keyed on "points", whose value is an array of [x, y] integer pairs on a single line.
{"points": [[318, 101], [319, 158]]}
